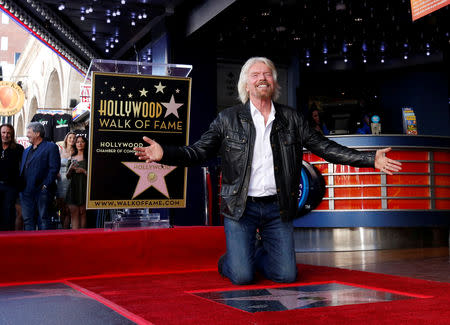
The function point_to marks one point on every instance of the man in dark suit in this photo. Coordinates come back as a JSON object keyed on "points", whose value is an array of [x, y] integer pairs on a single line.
{"points": [[39, 168]]}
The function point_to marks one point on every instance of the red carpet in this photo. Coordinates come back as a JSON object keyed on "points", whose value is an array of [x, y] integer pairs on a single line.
{"points": [[175, 262]]}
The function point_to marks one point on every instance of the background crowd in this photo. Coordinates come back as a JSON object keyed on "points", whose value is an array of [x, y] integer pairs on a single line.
{"points": [[43, 186]]}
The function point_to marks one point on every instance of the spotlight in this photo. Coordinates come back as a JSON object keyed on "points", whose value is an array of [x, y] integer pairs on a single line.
{"points": [[82, 17], [144, 15], [107, 50], [345, 60], [133, 23], [364, 46], [364, 60], [93, 38], [123, 2], [344, 47], [116, 40], [382, 60], [428, 53], [405, 56], [108, 20], [139, 16], [307, 64], [61, 6], [325, 48]]}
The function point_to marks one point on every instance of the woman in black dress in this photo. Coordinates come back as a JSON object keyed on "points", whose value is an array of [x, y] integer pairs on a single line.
{"points": [[77, 173]]}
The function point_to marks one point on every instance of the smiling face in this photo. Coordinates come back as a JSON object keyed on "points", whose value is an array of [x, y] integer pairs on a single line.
{"points": [[33, 137], [260, 82], [70, 140]]}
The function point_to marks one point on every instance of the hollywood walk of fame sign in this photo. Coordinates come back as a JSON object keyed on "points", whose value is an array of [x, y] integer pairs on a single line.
{"points": [[124, 109]]}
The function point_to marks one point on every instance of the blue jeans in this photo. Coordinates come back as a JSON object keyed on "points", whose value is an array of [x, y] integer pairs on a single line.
{"points": [[36, 209], [275, 258]]}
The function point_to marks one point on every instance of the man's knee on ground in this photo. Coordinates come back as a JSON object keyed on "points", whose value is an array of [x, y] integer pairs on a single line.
{"points": [[243, 278], [287, 276]]}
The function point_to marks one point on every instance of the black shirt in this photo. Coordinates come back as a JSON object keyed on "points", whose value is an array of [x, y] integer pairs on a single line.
{"points": [[27, 162], [47, 122], [61, 125], [10, 164]]}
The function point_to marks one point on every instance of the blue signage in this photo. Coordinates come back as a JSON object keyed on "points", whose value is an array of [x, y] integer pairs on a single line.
{"points": [[312, 189]]}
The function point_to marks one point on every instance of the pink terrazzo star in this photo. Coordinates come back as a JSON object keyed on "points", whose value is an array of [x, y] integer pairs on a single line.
{"points": [[152, 174]]}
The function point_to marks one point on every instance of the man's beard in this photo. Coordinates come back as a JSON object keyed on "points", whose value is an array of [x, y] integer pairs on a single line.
{"points": [[264, 93]]}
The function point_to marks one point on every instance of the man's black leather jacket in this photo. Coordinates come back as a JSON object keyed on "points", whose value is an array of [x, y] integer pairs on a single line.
{"points": [[232, 134]]}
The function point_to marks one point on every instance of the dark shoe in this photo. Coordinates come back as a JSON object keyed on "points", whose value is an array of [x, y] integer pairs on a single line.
{"points": [[220, 265]]}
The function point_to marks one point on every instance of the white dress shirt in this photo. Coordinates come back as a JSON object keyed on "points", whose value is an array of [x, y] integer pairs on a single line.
{"points": [[262, 177]]}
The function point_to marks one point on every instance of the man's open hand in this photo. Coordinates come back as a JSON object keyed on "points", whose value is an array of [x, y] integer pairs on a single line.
{"points": [[385, 164], [154, 152]]}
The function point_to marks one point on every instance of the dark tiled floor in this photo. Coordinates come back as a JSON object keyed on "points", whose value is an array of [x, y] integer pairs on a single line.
{"points": [[421, 263]]}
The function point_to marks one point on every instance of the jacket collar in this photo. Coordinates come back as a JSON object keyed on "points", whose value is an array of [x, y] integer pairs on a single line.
{"points": [[244, 111], [279, 122]]}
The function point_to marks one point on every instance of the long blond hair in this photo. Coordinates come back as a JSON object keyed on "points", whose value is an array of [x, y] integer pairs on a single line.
{"points": [[243, 77], [66, 137]]}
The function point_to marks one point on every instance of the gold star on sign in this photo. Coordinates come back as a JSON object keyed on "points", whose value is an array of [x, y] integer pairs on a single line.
{"points": [[130, 95], [143, 92], [113, 88], [160, 88]]}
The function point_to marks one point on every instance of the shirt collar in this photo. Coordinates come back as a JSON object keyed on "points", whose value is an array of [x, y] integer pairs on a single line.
{"points": [[254, 110], [33, 148]]}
